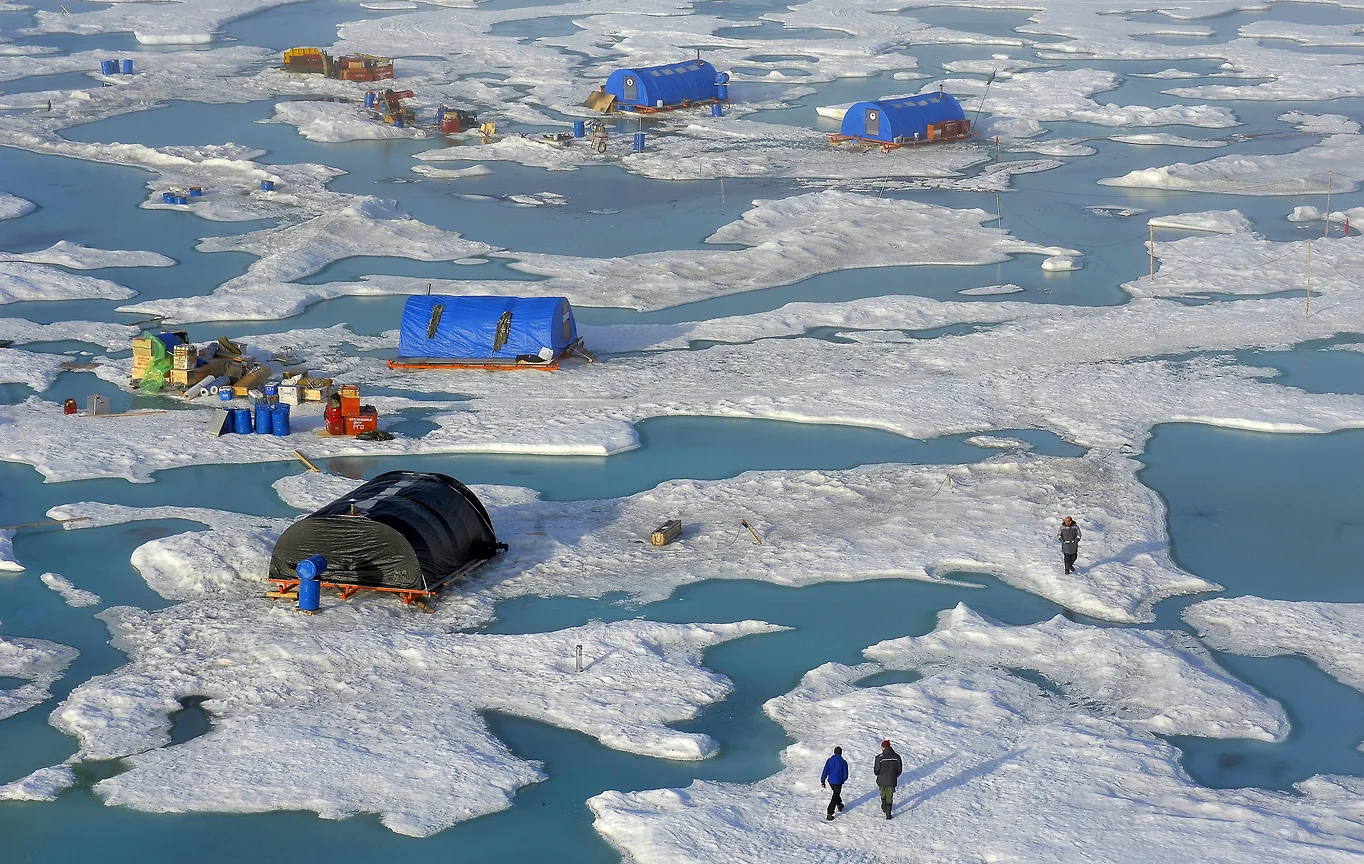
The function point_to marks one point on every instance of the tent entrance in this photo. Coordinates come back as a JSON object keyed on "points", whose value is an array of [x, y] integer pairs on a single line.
{"points": [[873, 123], [630, 91]]}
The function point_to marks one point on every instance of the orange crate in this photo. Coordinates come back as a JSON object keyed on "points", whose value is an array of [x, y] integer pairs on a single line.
{"points": [[363, 423]]}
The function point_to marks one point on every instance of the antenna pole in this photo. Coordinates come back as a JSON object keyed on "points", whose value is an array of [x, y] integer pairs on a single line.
{"points": [[1308, 313], [1329, 178], [1152, 251]]}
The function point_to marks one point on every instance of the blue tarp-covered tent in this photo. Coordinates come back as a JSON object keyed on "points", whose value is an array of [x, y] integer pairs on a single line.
{"points": [[667, 86], [499, 329], [932, 117]]}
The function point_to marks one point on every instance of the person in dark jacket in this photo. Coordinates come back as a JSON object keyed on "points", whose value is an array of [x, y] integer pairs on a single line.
{"points": [[887, 770], [1069, 535], [835, 774]]}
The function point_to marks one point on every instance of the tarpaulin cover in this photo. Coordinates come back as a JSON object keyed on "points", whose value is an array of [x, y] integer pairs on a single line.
{"points": [[403, 529], [892, 119], [665, 86], [467, 328]]}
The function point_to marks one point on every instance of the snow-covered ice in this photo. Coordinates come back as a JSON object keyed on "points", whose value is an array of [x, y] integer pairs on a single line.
{"points": [[38, 661], [7, 559], [21, 282], [12, 206], [1160, 680], [1212, 221], [42, 785], [64, 253], [334, 714], [1330, 634], [995, 769], [1305, 171], [72, 595]]}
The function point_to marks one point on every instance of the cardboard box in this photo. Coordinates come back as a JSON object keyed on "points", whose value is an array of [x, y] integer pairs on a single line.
{"points": [[362, 423], [251, 380]]}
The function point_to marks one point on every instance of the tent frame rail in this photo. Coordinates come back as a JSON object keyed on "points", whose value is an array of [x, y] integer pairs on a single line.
{"points": [[285, 586], [437, 363]]}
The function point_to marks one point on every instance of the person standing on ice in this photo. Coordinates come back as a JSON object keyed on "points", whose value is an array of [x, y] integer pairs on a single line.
{"points": [[1069, 536], [835, 774], [887, 769]]}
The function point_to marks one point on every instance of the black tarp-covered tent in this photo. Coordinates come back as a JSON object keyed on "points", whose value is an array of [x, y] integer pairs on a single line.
{"points": [[403, 530]]}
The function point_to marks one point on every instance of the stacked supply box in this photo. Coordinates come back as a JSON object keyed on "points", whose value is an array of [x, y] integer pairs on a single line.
{"points": [[359, 418], [184, 365]]}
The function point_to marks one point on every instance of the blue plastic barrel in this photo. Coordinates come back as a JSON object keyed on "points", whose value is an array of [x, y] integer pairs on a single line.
{"points": [[579, 128], [279, 420], [180, 199], [717, 110], [267, 185], [397, 122], [309, 595], [127, 67], [241, 420], [225, 394], [369, 100], [262, 419], [167, 198], [639, 142], [108, 67], [196, 191], [311, 567], [721, 91]]}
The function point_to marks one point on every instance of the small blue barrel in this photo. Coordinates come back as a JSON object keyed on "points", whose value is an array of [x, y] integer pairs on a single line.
{"points": [[180, 199], [127, 67], [309, 595], [369, 99], [311, 568], [279, 420], [639, 142], [225, 394], [717, 110], [167, 198], [398, 122], [579, 129], [262, 419], [267, 185], [722, 91], [196, 191], [108, 67], [241, 419]]}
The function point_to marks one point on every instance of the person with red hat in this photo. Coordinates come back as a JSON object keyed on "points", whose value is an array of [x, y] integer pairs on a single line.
{"points": [[887, 770]]}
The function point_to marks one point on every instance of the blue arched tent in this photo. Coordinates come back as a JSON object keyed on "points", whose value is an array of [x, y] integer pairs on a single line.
{"points": [[669, 86], [931, 117], [438, 330]]}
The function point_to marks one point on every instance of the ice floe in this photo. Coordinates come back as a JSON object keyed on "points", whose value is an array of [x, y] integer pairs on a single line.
{"points": [[1329, 634], [334, 122], [69, 593], [1211, 221], [42, 785], [12, 206], [31, 368], [21, 282], [64, 253], [1160, 680], [7, 560], [333, 714], [1166, 139], [1306, 171], [38, 661], [995, 769]]}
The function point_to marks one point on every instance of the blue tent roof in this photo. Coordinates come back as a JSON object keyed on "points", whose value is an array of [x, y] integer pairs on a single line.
{"points": [[665, 86], [467, 328], [892, 119]]}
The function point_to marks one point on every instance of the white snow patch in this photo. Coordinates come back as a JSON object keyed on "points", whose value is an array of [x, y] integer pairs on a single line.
{"points": [[1305, 171], [1166, 139], [336, 122], [37, 660], [12, 206], [995, 770], [42, 785], [452, 173], [1211, 221], [70, 593], [77, 257], [1061, 264], [1331, 635], [309, 691], [20, 282], [998, 442], [7, 559], [1321, 124], [1160, 680]]}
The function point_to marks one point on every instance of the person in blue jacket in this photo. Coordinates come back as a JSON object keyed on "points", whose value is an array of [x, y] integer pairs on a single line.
{"points": [[835, 774]]}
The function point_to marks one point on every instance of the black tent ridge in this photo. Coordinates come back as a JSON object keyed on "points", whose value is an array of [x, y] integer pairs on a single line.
{"points": [[404, 531]]}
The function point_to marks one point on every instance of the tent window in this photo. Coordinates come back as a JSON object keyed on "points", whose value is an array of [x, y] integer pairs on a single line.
{"points": [[431, 325], [654, 72], [568, 328], [503, 331], [668, 71]]}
